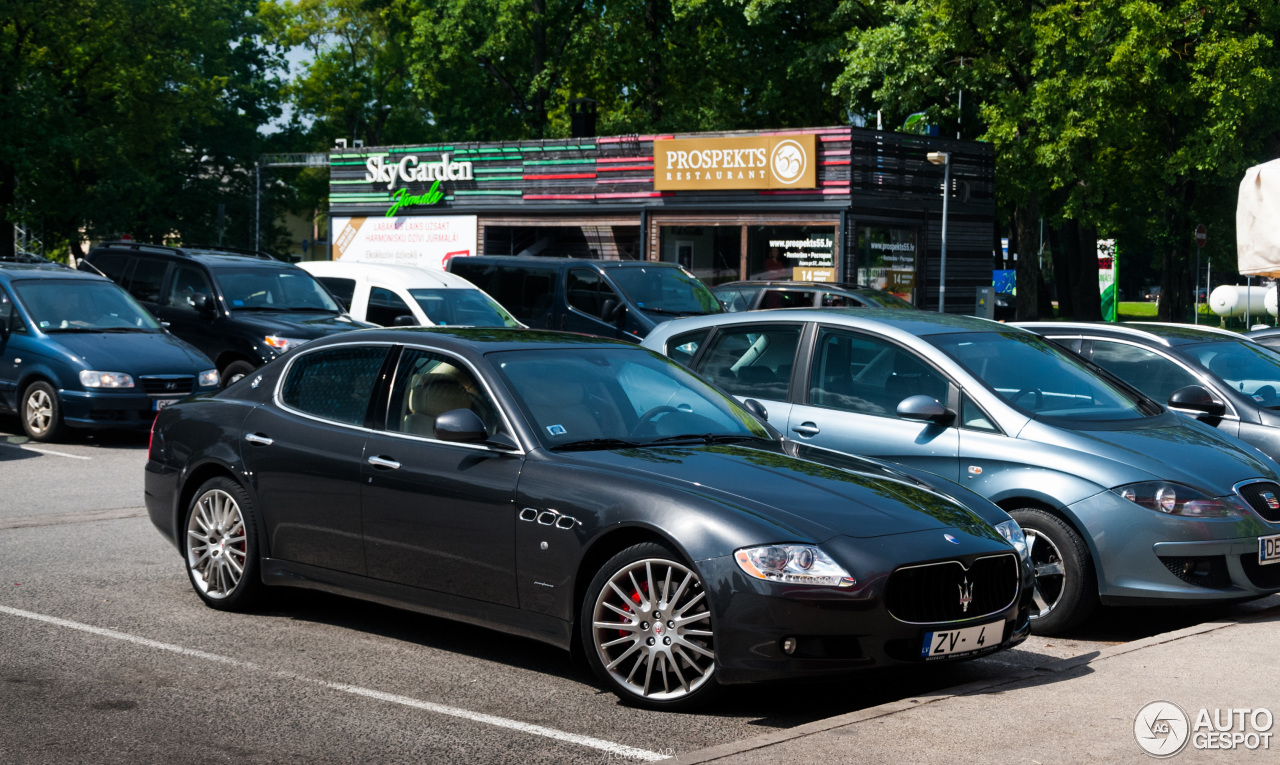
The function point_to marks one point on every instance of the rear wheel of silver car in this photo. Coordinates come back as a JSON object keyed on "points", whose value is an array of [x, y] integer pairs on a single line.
{"points": [[235, 371], [647, 629], [221, 546], [1066, 589], [41, 412]]}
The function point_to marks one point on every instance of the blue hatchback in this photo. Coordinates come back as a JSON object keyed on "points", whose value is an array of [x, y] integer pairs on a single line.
{"points": [[77, 351]]}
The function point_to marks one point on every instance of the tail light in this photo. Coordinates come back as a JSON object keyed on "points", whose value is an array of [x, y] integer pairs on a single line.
{"points": [[151, 440]]}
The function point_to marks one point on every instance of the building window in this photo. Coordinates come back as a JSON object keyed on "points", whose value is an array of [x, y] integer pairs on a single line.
{"points": [[791, 253], [711, 253], [887, 260]]}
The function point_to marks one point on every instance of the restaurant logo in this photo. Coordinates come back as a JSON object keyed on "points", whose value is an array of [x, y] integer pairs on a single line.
{"points": [[410, 170], [748, 162]]}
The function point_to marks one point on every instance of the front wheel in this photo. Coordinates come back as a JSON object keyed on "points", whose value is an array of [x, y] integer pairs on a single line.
{"points": [[42, 412], [646, 627], [236, 371], [221, 546], [1066, 586]]}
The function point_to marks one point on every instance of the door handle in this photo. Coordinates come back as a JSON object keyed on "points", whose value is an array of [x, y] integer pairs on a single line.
{"points": [[806, 429], [258, 440], [383, 462]]}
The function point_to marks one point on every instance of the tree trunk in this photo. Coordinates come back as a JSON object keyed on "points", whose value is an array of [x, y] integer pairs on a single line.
{"points": [[1175, 289], [1025, 218], [8, 180], [1084, 287], [1062, 245]]}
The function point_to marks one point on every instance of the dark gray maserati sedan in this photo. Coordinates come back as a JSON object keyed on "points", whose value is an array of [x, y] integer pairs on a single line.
{"points": [[583, 492]]}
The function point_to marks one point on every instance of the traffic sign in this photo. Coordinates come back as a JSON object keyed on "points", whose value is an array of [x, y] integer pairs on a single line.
{"points": [[1201, 235]]}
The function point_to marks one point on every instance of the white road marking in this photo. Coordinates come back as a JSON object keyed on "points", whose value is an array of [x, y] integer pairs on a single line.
{"points": [[621, 750], [42, 450]]}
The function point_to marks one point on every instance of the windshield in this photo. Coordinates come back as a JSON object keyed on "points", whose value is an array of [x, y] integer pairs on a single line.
{"points": [[665, 290], [618, 397], [882, 299], [274, 289], [462, 307], [1247, 367], [65, 305], [1038, 378]]}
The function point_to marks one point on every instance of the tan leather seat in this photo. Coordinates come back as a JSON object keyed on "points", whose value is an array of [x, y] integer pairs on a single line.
{"points": [[431, 395]]}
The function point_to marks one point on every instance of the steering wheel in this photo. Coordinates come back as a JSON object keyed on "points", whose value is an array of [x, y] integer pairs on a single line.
{"points": [[1039, 396], [650, 415]]}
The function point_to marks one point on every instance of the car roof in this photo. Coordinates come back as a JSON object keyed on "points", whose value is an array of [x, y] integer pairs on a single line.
{"points": [[479, 339], [538, 260], [805, 285], [409, 277], [211, 256], [900, 321], [18, 271], [1162, 333]]}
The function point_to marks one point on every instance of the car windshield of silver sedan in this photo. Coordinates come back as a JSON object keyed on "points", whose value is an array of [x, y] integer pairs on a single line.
{"points": [[462, 308], [607, 398], [274, 289], [1247, 367], [65, 305], [666, 290], [1036, 377]]}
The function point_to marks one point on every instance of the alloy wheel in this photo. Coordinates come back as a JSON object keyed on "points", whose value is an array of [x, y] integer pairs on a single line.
{"points": [[39, 410], [1050, 576], [652, 630], [217, 547]]}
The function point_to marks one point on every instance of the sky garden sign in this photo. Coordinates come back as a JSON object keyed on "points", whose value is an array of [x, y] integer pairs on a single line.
{"points": [[410, 170]]}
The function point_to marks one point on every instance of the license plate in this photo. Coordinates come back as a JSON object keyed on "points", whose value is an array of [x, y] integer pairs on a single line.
{"points": [[953, 642], [1269, 550], [161, 403]]}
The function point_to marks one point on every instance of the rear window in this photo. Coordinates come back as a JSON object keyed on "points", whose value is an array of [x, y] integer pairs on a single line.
{"points": [[526, 293], [334, 384]]}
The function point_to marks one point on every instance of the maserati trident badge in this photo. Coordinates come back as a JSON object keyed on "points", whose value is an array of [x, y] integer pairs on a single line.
{"points": [[966, 594]]}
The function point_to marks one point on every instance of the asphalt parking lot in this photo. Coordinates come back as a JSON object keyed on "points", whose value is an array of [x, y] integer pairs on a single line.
{"points": [[106, 655]]}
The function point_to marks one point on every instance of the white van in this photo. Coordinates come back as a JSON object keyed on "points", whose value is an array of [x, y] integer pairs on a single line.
{"points": [[406, 296]]}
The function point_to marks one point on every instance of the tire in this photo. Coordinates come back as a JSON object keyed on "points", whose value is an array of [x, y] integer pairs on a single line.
{"points": [[674, 653], [220, 546], [41, 412], [234, 371], [1066, 585]]}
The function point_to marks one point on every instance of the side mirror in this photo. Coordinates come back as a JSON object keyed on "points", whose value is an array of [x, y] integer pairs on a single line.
{"points": [[613, 310], [1197, 398], [202, 304], [404, 320], [924, 409], [461, 426], [756, 408]]}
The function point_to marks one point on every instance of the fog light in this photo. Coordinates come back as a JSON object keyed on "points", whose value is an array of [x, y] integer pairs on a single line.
{"points": [[789, 645]]}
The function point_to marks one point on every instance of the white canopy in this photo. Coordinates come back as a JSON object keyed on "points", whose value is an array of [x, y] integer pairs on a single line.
{"points": [[1258, 221]]}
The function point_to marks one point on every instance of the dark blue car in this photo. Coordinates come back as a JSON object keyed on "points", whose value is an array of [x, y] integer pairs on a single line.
{"points": [[77, 351]]}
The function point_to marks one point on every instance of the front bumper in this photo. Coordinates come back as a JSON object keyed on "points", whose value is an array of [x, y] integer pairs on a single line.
{"points": [[1143, 557], [837, 631], [110, 408]]}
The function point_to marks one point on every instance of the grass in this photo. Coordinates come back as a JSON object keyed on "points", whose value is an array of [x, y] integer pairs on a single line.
{"points": [[1147, 312]]}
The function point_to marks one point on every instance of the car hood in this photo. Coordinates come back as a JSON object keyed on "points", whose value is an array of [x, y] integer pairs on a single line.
{"points": [[813, 498], [302, 325], [1171, 447], [135, 353]]}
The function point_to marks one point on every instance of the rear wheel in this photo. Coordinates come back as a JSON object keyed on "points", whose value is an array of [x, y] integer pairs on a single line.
{"points": [[646, 626], [1066, 586], [221, 546], [41, 412]]}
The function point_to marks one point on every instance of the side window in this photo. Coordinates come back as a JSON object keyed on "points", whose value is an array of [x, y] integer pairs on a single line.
{"points": [[9, 317], [111, 265], [334, 384], [752, 361], [188, 282], [428, 385], [1145, 370], [972, 416], [385, 307], [867, 375], [683, 348], [343, 289], [147, 280], [787, 299], [587, 291], [836, 300], [732, 300]]}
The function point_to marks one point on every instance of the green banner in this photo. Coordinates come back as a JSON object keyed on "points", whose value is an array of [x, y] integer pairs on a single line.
{"points": [[1108, 263]]}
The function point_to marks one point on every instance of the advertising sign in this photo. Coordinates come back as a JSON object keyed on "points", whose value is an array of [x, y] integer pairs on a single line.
{"points": [[1107, 279], [746, 162], [424, 241]]}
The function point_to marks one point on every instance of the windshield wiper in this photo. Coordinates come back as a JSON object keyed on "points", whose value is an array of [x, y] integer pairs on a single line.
{"points": [[706, 438], [125, 329], [52, 330], [595, 443]]}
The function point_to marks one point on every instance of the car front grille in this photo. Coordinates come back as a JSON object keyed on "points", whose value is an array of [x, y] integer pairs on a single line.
{"points": [[1266, 577], [1263, 497], [937, 592], [168, 386]]}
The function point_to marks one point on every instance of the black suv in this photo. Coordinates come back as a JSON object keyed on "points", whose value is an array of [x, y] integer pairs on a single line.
{"points": [[242, 309]]}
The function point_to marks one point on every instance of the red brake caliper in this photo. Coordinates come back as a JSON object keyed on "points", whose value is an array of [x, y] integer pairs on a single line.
{"points": [[635, 598]]}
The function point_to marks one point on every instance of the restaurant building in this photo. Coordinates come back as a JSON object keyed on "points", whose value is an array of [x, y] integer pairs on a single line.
{"points": [[821, 204]]}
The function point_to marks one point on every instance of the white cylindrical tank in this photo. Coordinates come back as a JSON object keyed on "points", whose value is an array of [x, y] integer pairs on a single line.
{"points": [[1230, 300], [1270, 300]]}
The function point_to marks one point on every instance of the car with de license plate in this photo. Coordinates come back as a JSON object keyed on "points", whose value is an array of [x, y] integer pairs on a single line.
{"points": [[582, 492], [1122, 500]]}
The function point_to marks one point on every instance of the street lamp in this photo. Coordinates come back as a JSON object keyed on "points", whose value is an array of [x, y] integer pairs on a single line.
{"points": [[943, 158]]}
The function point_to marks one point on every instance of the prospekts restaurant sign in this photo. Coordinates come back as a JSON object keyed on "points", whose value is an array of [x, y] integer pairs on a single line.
{"points": [[752, 162]]}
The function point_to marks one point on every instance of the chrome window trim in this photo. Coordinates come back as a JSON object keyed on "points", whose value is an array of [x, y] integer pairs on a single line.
{"points": [[1017, 590], [278, 400], [1200, 375]]}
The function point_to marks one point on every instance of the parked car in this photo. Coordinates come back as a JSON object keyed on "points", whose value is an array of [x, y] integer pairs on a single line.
{"points": [[77, 352], [1269, 337], [408, 296], [1006, 306], [571, 489], [754, 296], [1221, 377], [1152, 294], [240, 309], [1121, 499], [623, 299]]}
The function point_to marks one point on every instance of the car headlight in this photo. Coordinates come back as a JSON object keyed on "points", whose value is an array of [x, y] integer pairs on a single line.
{"points": [[1179, 499], [208, 378], [282, 344], [792, 564], [1011, 531], [91, 379]]}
